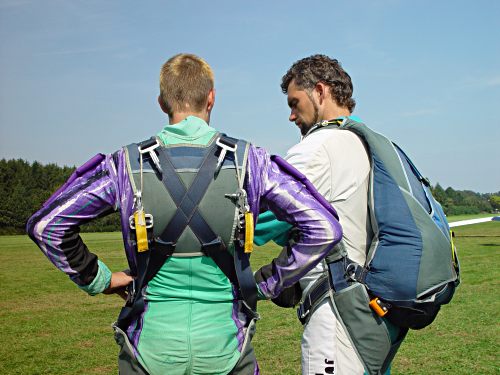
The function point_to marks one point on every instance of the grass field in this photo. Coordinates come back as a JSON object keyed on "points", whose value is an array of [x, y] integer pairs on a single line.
{"points": [[50, 327]]}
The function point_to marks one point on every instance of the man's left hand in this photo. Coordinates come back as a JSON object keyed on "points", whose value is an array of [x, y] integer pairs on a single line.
{"points": [[119, 282]]}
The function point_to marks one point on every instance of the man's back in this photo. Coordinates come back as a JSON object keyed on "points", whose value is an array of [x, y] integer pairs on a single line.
{"points": [[336, 162]]}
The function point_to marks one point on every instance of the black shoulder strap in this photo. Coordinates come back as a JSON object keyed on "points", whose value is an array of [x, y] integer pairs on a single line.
{"points": [[187, 214], [237, 268], [326, 125]]}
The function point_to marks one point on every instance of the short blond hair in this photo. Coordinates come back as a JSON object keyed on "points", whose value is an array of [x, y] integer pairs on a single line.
{"points": [[185, 81]]}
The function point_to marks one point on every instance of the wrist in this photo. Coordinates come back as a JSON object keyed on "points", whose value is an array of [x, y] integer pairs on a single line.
{"points": [[101, 282]]}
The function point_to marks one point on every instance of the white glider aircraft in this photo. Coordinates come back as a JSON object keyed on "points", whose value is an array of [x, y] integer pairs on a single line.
{"points": [[473, 221]]}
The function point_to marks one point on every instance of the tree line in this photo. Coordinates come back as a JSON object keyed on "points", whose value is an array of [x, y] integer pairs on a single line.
{"points": [[25, 186]]}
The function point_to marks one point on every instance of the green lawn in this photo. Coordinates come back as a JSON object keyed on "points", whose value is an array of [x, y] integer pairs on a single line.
{"points": [[50, 327]]}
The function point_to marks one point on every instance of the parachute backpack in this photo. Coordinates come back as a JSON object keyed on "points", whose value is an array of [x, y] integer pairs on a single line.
{"points": [[412, 267]]}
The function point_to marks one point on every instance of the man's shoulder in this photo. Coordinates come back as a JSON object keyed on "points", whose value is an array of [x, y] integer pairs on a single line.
{"points": [[332, 139]]}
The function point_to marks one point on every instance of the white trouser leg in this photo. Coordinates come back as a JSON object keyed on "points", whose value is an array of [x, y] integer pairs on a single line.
{"points": [[325, 346]]}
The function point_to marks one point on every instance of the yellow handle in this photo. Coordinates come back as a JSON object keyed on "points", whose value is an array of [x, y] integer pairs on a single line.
{"points": [[453, 249], [248, 232], [140, 231]]}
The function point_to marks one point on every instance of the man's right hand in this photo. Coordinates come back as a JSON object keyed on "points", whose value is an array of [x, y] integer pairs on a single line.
{"points": [[289, 297], [119, 282]]}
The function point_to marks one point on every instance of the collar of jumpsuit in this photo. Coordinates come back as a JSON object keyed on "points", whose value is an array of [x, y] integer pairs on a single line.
{"points": [[191, 130]]}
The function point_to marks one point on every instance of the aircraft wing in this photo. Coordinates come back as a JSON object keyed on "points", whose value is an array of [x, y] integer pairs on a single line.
{"points": [[473, 221]]}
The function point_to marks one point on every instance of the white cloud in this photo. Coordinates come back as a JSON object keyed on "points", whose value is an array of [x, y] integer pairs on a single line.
{"points": [[492, 81], [481, 81]]}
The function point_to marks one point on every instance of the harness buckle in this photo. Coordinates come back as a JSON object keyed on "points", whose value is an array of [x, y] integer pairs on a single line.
{"points": [[148, 148], [304, 309], [213, 246], [301, 314], [148, 218], [241, 200], [131, 291], [224, 149], [355, 272], [350, 271], [167, 246]]}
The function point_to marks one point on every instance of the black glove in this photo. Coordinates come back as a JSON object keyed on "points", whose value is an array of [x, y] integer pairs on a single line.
{"points": [[289, 297]]}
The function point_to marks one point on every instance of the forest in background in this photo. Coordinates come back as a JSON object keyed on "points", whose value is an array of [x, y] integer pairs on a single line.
{"points": [[25, 186]]}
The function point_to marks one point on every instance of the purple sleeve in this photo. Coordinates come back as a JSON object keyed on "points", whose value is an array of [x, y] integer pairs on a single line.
{"points": [[272, 186], [89, 193]]}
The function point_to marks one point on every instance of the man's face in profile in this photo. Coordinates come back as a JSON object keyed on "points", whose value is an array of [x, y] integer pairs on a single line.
{"points": [[303, 107]]}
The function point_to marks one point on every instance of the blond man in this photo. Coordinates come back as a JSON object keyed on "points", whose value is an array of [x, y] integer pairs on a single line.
{"points": [[187, 199]]}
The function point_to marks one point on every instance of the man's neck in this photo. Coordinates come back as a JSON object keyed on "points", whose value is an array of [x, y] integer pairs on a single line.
{"points": [[335, 112], [181, 116]]}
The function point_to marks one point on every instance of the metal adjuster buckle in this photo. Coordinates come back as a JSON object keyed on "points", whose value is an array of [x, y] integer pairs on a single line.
{"points": [[350, 271], [224, 149], [131, 291], [149, 149], [302, 313], [149, 221]]}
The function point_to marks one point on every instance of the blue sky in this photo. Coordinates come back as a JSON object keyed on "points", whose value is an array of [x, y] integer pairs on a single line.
{"points": [[81, 77]]}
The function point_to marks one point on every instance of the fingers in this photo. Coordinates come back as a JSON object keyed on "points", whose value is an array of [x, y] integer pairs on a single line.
{"points": [[122, 293]]}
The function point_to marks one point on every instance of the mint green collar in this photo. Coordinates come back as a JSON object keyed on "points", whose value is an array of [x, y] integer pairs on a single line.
{"points": [[191, 130]]}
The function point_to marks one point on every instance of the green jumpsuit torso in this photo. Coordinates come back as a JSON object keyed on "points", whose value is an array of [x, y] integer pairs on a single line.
{"points": [[188, 326]]}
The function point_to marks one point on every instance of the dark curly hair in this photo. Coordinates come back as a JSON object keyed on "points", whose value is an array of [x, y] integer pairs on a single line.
{"points": [[308, 71]]}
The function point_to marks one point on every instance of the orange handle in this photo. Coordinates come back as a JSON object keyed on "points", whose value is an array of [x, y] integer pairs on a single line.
{"points": [[378, 306]]}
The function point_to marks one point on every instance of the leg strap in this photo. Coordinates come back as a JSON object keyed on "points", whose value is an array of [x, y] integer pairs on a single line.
{"points": [[315, 295], [336, 279]]}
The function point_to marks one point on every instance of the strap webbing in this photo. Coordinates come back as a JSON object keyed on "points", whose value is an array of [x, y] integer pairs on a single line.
{"points": [[337, 270], [315, 295], [337, 280], [237, 269], [187, 214], [187, 201], [246, 280]]}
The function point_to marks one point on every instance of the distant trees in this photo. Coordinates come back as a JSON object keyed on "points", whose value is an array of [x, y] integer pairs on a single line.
{"points": [[462, 202], [495, 201], [24, 187]]}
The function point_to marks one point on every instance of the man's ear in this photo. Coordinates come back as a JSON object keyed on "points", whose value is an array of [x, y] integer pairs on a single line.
{"points": [[321, 91], [162, 104], [211, 100]]}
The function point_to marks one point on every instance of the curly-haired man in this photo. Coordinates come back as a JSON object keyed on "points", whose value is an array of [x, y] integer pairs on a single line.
{"points": [[319, 93]]}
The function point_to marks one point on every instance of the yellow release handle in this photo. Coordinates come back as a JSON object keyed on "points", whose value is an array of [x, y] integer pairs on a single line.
{"points": [[248, 232], [140, 231], [453, 250]]}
